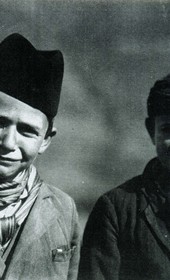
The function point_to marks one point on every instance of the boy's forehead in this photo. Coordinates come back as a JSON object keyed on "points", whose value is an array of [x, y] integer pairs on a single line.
{"points": [[7, 100], [12, 106]]}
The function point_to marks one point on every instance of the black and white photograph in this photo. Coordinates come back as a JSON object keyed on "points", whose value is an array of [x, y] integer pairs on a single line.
{"points": [[85, 139]]}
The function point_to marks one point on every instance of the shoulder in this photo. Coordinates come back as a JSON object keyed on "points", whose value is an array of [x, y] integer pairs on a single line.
{"points": [[63, 205], [61, 200], [132, 187], [58, 193], [127, 191], [115, 207], [121, 201]]}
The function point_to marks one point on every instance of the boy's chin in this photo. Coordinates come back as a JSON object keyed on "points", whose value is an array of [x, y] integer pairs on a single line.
{"points": [[7, 175]]}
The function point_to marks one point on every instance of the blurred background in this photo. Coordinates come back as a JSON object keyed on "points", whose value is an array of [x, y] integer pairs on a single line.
{"points": [[114, 51]]}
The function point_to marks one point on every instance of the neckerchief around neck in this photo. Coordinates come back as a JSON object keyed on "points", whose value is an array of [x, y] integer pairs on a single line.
{"points": [[11, 191], [8, 225]]}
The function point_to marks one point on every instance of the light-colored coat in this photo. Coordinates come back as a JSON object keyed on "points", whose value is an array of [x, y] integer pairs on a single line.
{"points": [[48, 245]]}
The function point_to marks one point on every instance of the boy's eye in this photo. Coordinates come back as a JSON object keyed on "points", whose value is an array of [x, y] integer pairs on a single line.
{"points": [[27, 130]]}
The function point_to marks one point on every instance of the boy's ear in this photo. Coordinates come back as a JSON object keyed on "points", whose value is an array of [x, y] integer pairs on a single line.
{"points": [[150, 126], [47, 141]]}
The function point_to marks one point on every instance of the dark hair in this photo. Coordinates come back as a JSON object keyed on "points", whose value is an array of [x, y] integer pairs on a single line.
{"points": [[158, 102]]}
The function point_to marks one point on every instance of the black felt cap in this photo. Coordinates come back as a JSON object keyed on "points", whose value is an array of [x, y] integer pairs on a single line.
{"points": [[158, 102], [30, 75]]}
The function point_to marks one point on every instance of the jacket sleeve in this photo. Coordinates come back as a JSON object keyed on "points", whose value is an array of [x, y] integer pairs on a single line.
{"points": [[100, 258], [75, 246]]}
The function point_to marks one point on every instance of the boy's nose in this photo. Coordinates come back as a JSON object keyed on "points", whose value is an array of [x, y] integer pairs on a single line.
{"points": [[8, 139]]}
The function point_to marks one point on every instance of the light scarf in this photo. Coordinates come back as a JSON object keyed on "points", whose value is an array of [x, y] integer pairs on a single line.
{"points": [[17, 201], [11, 191]]}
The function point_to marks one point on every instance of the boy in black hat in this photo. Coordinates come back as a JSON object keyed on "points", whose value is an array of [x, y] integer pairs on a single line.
{"points": [[39, 237], [127, 235]]}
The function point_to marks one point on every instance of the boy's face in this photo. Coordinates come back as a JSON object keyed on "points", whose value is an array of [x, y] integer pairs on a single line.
{"points": [[22, 135], [161, 139]]}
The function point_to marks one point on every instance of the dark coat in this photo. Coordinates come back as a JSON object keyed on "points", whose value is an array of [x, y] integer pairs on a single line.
{"points": [[127, 235], [48, 245]]}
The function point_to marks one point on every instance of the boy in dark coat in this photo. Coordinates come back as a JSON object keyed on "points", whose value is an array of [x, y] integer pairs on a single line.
{"points": [[127, 236], [39, 237]]}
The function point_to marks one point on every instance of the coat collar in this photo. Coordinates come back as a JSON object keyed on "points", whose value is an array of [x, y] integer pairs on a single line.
{"points": [[150, 188], [153, 202], [45, 211], [45, 220], [42, 212], [158, 227]]}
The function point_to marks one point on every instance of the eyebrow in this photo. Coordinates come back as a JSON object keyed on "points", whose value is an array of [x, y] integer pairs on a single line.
{"points": [[29, 128], [21, 124]]}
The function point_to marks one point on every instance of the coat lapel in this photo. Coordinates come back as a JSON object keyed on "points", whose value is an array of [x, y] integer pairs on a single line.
{"points": [[40, 216], [2, 267], [44, 223], [161, 232], [44, 215], [152, 201]]}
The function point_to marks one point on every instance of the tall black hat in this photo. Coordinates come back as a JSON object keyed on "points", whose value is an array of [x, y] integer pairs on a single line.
{"points": [[30, 75]]}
